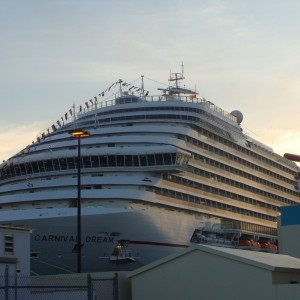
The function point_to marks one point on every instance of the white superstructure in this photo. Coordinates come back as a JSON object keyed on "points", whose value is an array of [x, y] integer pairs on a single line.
{"points": [[154, 170]]}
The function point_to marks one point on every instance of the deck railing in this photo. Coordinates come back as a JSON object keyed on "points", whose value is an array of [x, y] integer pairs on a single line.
{"points": [[141, 99]]}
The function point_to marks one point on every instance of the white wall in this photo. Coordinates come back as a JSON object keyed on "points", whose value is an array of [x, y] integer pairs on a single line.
{"points": [[21, 251], [287, 292], [204, 276]]}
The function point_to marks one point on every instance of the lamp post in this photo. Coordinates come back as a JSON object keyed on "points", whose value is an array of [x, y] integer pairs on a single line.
{"points": [[79, 134]]}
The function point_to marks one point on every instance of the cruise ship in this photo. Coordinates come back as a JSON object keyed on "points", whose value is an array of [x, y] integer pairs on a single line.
{"points": [[157, 173]]}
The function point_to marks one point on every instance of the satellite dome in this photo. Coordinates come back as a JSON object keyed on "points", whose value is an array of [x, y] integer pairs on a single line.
{"points": [[238, 115]]}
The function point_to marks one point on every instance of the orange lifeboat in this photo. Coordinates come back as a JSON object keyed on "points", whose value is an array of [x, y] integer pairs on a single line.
{"points": [[256, 244], [269, 246], [265, 245], [249, 244], [273, 247], [245, 243]]}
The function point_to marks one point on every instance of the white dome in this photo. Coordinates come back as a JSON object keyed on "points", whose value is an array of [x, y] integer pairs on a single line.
{"points": [[239, 116]]}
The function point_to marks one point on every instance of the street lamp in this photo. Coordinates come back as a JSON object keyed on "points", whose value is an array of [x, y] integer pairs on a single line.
{"points": [[79, 134]]}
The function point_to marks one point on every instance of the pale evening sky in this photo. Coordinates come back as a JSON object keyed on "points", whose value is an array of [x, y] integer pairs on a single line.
{"points": [[239, 54]]}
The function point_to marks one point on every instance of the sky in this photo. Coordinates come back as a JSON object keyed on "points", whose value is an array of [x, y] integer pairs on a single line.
{"points": [[239, 54]]}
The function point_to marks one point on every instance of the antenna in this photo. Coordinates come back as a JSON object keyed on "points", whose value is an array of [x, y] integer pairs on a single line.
{"points": [[142, 88], [120, 82], [177, 77]]}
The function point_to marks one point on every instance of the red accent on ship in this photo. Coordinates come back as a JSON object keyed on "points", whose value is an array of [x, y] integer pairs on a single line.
{"points": [[157, 244], [293, 157]]}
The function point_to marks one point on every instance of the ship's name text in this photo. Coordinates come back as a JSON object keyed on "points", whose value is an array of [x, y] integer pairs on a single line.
{"points": [[72, 238]]}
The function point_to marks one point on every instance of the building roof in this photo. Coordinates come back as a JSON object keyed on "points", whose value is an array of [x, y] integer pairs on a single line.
{"points": [[14, 227], [269, 261]]}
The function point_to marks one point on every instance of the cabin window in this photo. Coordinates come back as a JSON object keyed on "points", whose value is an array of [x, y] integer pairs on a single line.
{"points": [[87, 162], [63, 163], [95, 161], [129, 161], [136, 161], [120, 160], [49, 165], [112, 161], [56, 164], [103, 161], [159, 159], [151, 160], [71, 163], [35, 167], [143, 160]]}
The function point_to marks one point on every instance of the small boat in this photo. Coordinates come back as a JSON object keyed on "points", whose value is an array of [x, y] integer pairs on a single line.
{"points": [[121, 253]]}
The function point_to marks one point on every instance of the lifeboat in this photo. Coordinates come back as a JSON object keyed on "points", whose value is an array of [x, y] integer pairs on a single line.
{"points": [[256, 244], [273, 247], [250, 244], [269, 246], [265, 245], [244, 243]]}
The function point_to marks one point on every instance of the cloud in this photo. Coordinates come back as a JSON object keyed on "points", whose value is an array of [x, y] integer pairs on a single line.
{"points": [[240, 55], [15, 137]]}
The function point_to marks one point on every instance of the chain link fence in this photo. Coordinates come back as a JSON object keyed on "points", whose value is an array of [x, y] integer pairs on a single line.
{"points": [[18, 287]]}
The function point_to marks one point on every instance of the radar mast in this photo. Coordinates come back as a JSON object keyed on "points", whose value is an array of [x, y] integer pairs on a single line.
{"points": [[177, 77], [176, 90]]}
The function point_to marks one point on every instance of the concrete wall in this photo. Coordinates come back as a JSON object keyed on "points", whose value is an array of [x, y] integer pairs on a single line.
{"points": [[289, 241], [207, 275]]}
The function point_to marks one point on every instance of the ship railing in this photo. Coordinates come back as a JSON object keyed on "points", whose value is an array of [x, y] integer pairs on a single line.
{"points": [[118, 101], [214, 240], [160, 98]]}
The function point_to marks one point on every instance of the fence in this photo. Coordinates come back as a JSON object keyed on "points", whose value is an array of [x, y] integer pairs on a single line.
{"points": [[75, 287]]}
